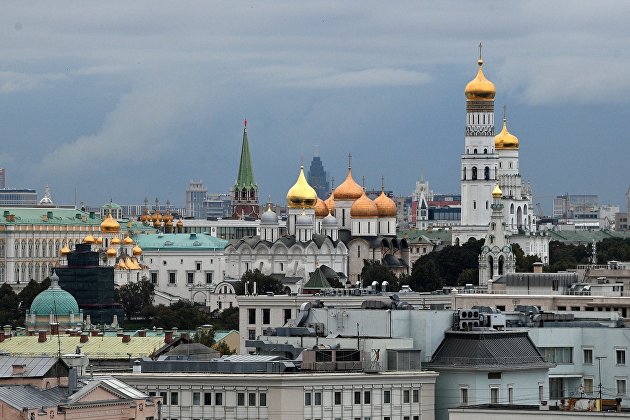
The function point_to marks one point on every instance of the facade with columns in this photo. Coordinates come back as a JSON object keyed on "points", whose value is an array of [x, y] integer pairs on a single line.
{"points": [[488, 160]]}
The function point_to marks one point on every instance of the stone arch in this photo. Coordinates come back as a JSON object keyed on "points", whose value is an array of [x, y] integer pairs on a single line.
{"points": [[491, 265], [486, 173], [199, 297], [501, 264], [474, 173], [519, 217]]}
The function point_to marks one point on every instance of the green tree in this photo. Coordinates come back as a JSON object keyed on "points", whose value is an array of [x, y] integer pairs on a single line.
{"points": [[223, 348], [468, 276], [135, 296], [375, 271], [524, 263], [9, 311], [32, 289], [226, 319], [564, 256], [183, 314], [264, 283], [204, 336]]}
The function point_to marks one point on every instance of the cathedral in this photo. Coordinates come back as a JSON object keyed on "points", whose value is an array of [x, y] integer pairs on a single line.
{"points": [[489, 160], [339, 232]]}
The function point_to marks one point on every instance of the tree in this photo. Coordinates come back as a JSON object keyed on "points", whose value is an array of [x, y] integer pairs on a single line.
{"points": [[32, 289], [223, 348], [564, 256], [204, 336], [524, 263], [468, 276], [374, 271], [134, 297], [9, 311], [226, 319], [183, 314], [264, 283]]}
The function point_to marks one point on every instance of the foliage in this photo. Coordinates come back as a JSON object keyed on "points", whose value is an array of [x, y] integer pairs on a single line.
{"points": [[468, 276], [226, 319], [223, 348], [136, 296], [183, 314], [204, 336], [9, 311], [564, 256], [445, 267], [613, 249], [264, 283], [375, 271], [32, 289], [524, 263]]}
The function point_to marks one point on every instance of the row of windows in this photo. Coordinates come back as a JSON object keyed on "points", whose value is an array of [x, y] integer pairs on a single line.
{"points": [[250, 399], [564, 355], [362, 397], [190, 277]]}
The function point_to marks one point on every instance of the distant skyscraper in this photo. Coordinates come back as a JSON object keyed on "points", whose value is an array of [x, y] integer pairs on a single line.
{"points": [[245, 192], [195, 196], [3, 181], [318, 178]]}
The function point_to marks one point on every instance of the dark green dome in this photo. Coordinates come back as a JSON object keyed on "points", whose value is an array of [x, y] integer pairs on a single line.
{"points": [[54, 300]]}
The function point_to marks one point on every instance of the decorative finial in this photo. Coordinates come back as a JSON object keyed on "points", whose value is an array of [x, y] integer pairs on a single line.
{"points": [[382, 183], [349, 161], [316, 150], [245, 122], [302, 160], [480, 61], [363, 182], [504, 113], [332, 185]]}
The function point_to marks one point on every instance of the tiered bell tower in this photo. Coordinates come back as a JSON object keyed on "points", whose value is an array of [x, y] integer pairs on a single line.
{"points": [[245, 191]]}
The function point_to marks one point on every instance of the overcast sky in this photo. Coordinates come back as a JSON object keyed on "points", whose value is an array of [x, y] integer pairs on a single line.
{"points": [[124, 100]]}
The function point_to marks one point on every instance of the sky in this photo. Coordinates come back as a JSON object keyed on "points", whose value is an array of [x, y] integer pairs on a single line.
{"points": [[127, 100]]}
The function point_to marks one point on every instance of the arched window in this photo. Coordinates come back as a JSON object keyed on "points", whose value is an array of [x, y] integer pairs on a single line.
{"points": [[512, 208], [486, 173], [475, 151], [501, 261], [493, 226], [474, 204], [243, 194], [491, 239], [464, 177], [485, 151], [491, 265], [474, 173]]}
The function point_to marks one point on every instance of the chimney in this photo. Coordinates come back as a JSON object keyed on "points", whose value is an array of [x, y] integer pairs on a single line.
{"points": [[174, 331], [538, 267], [168, 337], [18, 370], [54, 328], [1, 336], [7, 331], [95, 333], [137, 367], [126, 338], [142, 333], [185, 336], [42, 336], [84, 338]]}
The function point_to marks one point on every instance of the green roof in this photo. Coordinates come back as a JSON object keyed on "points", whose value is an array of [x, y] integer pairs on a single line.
{"points": [[221, 334], [585, 236], [179, 241], [111, 205], [54, 300], [431, 234], [245, 178], [35, 215], [317, 280]]}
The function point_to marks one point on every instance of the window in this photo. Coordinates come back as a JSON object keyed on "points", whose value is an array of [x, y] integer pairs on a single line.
{"points": [[337, 398], [357, 397], [474, 204], [171, 277], [541, 392], [198, 265], [318, 398], [559, 355], [266, 315], [494, 395], [474, 173], [359, 247], [164, 396], [387, 397], [174, 398], [415, 395], [556, 388], [262, 399], [218, 398], [367, 397], [510, 395], [494, 375], [207, 398], [208, 277], [621, 387], [406, 396], [251, 315], [240, 399], [588, 385], [621, 356], [251, 399], [154, 277], [196, 398], [287, 315], [307, 398], [463, 396], [587, 356], [251, 334], [190, 277]]}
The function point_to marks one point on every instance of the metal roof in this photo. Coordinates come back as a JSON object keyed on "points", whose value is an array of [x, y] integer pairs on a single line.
{"points": [[113, 385], [179, 241], [27, 396], [34, 367], [39, 215]]}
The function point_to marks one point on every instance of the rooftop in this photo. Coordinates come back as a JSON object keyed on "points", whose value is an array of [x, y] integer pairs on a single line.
{"points": [[179, 241], [41, 215]]}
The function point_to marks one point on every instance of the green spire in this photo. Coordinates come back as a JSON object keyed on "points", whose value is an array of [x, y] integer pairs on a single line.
{"points": [[245, 177]]}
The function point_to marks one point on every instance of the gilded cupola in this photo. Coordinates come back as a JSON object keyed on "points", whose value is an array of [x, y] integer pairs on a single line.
{"points": [[385, 205], [301, 194], [505, 140], [321, 209], [348, 189], [111, 252], [496, 192], [110, 225], [64, 251], [137, 251], [330, 203], [480, 88], [363, 208], [127, 240], [89, 239]]}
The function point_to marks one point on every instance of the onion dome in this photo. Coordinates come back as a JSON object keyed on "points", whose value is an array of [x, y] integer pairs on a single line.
{"points": [[386, 206], [321, 210], [496, 192], [157, 216], [363, 208], [54, 300], [330, 203], [505, 140], [146, 217], [157, 223], [303, 220], [64, 251], [349, 189], [169, 222], [329, 221], [89, 240], [99, 240], [127, 240], [110, 225], [480, 88], [116, 241], [137, 251], [301, 194], [111, 252], [269, 217], [180, 224]]}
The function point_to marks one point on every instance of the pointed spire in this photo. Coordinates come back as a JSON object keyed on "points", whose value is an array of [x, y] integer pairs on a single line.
{"points": [[382, 184], [245, 178]]}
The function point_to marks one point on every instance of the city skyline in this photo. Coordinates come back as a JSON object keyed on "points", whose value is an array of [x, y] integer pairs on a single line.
{"points": [[134, 104]]}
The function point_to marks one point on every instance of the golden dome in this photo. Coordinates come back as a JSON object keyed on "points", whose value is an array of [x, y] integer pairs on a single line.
{"points": [[64, 251], [301, 194], [330, 203], [110, 225], [496, 192], [89, 239], [137, 251], [480, 88], [349, 189], [127, 240], [169, 222], [321, 209], [157, 223], [363, 208], [386, 206], [146, 216], [157, 217], [116, 241], [505, 140], [111, 252], [180, 223], [99, 240]]}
